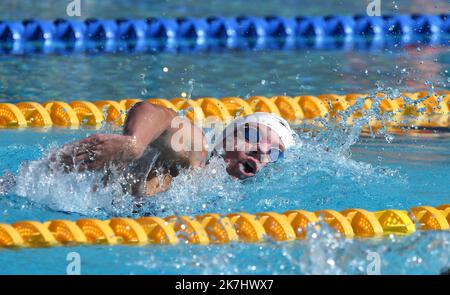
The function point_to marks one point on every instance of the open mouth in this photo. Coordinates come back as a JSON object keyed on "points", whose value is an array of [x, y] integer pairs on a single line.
{"points": [[248, 168], [245, 171]]}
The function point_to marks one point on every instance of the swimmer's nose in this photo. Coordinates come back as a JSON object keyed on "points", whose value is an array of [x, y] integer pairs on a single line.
{"points": [[260, 152], [264, 147]]}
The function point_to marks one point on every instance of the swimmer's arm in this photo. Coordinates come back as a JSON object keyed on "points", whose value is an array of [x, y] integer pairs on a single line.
{"points": [[175, 136], [181, 142], [145, 124]]}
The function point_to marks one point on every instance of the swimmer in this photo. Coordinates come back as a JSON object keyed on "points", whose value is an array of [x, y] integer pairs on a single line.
{"points": [[151, 152]]}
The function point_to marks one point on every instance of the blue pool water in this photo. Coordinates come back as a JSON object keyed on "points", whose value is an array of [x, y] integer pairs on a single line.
{"points": [[332, 170], [373, 175]]}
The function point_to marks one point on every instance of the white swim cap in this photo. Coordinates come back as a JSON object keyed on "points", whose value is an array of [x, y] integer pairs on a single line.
{"points": [[279, 125]]}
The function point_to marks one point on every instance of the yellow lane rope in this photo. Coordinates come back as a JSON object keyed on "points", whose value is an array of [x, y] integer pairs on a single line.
{"points": [[219, 229], [430, 111]]}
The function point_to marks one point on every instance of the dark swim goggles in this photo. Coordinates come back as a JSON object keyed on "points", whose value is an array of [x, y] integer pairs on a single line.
{"points": [[253, 135]]}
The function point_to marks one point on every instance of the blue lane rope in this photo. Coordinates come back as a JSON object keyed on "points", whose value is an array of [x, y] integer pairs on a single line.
{"points": [[273, 32]]}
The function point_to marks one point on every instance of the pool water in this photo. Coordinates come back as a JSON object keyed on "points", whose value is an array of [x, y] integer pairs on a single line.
{"points": [[335, 168], [244, 73], [373, 174]]}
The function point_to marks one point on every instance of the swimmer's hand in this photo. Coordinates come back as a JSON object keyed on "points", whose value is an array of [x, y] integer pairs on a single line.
{"points": [[98, 151]]}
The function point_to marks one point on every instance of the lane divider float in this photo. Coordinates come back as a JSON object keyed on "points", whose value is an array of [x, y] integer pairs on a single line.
{"points": [[430, 111], [220, 229], [198, 34]]}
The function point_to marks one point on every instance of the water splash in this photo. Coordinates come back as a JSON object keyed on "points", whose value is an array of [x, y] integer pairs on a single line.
{"points": [[7, 183], [45, 183]]}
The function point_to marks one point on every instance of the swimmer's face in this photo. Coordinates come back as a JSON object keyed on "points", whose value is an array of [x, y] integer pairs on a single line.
{"points": [[251, 148]]}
